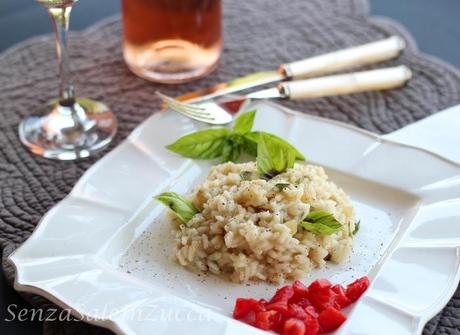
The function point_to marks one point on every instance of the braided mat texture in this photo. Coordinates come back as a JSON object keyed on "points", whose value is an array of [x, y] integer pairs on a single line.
{"points": [[259, 35]]}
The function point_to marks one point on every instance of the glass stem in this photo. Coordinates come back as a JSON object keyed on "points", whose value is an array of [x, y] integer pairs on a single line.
{"points": [[61, 17]]}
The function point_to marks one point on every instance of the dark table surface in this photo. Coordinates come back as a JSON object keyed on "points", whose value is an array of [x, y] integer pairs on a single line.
{"points": [[434, 25]]}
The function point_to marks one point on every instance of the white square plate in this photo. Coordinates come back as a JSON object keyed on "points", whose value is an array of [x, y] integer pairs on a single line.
{"points": [[104, 251]]}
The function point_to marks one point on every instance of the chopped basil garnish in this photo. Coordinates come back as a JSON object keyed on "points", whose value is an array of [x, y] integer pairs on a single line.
{"points": [[249, 175], [321, 223], [281, 186], [357, 225], [182, 207]]}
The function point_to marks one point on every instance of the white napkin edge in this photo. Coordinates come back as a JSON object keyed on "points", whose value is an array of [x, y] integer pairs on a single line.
{"points": [[438, 133]]}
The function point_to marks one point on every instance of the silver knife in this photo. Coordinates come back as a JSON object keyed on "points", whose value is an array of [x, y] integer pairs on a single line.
{"points": [[314, 66]]}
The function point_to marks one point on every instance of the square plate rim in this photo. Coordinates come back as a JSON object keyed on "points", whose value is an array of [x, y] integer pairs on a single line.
{"points": [[15, 261]]}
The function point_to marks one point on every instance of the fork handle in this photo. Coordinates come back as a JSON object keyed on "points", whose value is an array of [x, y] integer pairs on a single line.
{"points": [[344, 59], [382, 79]]}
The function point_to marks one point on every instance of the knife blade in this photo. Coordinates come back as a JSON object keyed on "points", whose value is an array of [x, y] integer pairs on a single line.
{"points": [[236, 85], [323, 64]]}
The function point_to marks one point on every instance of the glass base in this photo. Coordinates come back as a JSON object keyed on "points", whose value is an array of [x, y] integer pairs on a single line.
{"points": [[71, 131], [173, 78], [171, 61]]}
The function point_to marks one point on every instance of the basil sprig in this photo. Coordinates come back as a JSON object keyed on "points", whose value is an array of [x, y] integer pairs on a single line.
{"points": [[321, 223], [182, 207], [274, 153]]}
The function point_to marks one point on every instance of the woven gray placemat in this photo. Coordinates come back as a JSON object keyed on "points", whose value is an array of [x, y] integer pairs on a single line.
{"points": [[259, 35]]}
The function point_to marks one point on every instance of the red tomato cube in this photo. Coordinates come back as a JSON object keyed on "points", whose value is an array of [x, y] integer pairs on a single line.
{"points": [[341, 300], [243, 307], [283, 294], [357, 288], [331, 319], [279, 306], [322, 299], [300, 291], [319, 284]]}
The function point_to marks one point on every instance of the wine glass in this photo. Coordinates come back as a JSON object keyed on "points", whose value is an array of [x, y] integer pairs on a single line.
{"points": [[74, 127]]}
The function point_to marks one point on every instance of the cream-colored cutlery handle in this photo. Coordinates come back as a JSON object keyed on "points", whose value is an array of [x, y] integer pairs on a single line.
{"points": [[344, 59], [373, 80]]}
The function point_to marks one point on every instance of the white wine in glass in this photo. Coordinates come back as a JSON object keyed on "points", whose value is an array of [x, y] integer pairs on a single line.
{"points": [[73, 128]]}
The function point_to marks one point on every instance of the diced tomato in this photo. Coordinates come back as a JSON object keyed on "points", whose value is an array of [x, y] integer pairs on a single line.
{"points": [[331, 319], [357, 288], [293, 326], [300, 291], [303, 302], [311, 311], [297, 312], [244, 306], [279, 306], [322, 299], [266, 320], [300, 310], [283, 294], [311, 325], [341, 300], [320, 284]]}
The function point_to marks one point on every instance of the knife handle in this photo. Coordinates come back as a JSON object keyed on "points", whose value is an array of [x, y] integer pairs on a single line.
{"points": [[344, 59], [382, 79]]}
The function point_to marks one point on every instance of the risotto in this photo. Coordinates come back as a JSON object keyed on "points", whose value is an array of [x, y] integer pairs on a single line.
{"points": [[248, 227]]}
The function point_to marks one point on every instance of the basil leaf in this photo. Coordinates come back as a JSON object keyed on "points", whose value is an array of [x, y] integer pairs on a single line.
{"points": [[272, 156], [252, 139], [244, 122], [281, 186], [319, 216], [321, 223], [182, 207], [320, 228], [204, 144]]}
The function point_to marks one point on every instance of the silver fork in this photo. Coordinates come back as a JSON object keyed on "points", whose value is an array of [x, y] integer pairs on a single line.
{"points": [[381, 79]]}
